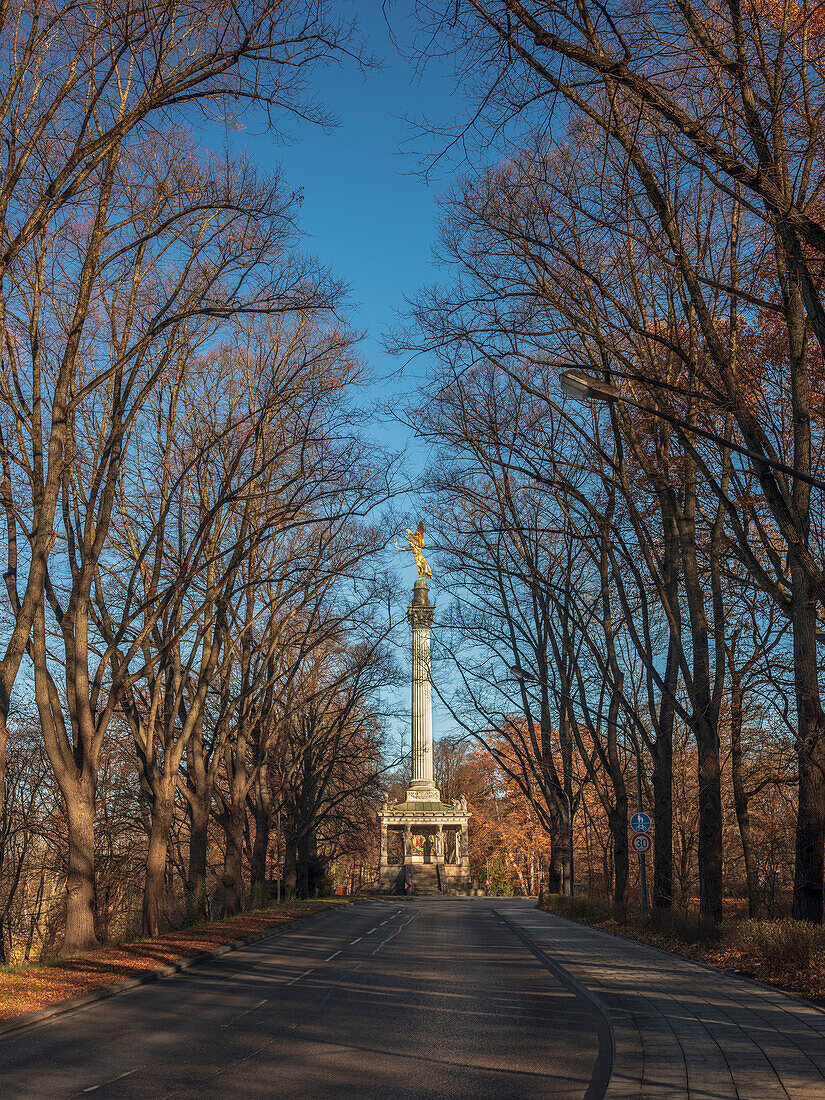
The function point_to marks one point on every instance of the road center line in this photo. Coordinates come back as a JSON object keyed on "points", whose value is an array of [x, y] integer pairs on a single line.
{"points": [[294, 980], [372, 930], [356, 941], [240, 1015], [334, 954]]}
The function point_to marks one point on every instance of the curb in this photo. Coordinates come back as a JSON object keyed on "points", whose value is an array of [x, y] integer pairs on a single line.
{"points": [[606, 1055], [63, 1008]]}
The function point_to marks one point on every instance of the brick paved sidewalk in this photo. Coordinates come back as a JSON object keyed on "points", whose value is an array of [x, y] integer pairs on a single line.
{"points": [[681, 1029]]}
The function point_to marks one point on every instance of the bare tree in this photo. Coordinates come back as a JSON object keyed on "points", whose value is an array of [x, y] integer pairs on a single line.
{"points": [[741, 124], [87, 88]]}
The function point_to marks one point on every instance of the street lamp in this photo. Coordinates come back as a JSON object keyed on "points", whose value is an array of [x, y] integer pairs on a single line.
{"points": [[518, 673], [584, 387], [523, 677]]}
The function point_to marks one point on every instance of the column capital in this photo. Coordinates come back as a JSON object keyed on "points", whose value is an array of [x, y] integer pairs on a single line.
{"points": [[420, 616]]}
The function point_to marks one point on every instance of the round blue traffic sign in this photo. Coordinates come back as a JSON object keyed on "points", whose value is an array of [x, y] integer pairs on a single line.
{"points": [[640, 823]]}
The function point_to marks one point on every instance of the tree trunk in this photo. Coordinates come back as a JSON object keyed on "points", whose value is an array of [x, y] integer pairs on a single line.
{"points": [[617, 817], [290, 867], [566, 868], [617, 820], [558, 868], [196, 899], [705, 729], [155, 877], [259, 850], [310, 869], [662, 902], [4, 737], [80, 880], [232, 877], [710, 824], [740, 797], [663, 828], [263, 825], [810, 826]]}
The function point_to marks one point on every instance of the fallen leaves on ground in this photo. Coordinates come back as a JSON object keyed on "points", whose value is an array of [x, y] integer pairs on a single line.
{"points": [[35, 987]]}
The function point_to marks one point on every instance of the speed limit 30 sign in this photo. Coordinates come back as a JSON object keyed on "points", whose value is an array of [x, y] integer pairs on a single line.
{"points": [[641, 843]]}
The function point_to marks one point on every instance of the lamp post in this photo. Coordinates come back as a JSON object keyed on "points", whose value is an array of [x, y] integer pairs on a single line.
{"points": [[584, 387], [518, 673]]}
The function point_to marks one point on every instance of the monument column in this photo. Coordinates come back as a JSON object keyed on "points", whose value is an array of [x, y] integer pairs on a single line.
{"points": [[428, 868], [465, 846], [420, 615]]}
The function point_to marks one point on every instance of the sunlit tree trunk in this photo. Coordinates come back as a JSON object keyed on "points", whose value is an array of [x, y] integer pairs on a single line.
{"points": [[154, 888]]}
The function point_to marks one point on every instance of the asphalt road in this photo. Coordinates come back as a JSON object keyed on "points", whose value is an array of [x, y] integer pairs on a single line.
{"points": [[421, 998]]}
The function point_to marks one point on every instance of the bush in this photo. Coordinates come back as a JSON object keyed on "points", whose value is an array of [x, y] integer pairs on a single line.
{"points": [[790, 944], [500, 890], [261, 896], [498, 884], [582, 907], [689, 927]]}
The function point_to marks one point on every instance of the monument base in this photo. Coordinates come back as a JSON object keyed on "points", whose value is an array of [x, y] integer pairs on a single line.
{"points": [[426, 880], [433, 835]]}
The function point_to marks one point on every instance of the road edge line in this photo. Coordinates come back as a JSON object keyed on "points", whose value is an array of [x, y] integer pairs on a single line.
{"points": [[605, 1058]]}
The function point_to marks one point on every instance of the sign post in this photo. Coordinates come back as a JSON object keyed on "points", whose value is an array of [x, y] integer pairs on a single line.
{"points": [[641, 823]]}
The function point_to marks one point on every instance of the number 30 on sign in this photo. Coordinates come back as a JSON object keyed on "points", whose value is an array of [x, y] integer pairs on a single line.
{"points": [[641, 843]]}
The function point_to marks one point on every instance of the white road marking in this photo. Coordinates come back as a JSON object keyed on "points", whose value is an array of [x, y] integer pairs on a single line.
{"points": [[334, 954], [294, 980], [111, 1081], [351, 942], [372, 930], [240, 1015]]}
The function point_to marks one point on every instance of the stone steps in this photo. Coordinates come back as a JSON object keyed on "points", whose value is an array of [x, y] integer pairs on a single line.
{"points": [[425, 879]]}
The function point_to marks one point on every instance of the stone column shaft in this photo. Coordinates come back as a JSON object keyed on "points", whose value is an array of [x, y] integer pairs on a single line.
{"points": [[420, 615], [422, 713]]}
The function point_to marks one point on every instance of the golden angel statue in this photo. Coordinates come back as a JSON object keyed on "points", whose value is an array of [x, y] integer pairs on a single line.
{"points": [[416, 543]]}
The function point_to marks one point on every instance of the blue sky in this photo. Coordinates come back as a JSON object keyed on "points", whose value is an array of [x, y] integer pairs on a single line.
{"points": [[368, 214], [366, 211]]}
